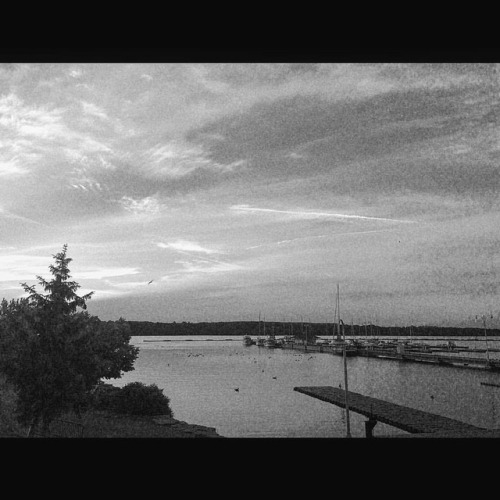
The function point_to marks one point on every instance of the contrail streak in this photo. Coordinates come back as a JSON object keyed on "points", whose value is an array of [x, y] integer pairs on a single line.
{"points": [[316, 214], [20, 217], [332, 235]]}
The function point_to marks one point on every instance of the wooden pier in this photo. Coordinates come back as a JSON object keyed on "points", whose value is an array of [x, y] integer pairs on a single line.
{"points": [[401, 417]]}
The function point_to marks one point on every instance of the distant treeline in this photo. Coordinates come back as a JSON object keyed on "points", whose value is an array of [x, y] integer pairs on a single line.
{"points": [[299, 330]]}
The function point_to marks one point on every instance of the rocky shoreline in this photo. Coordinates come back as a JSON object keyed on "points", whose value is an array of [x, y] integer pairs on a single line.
{"points": [[183, 429], [108, 425]]}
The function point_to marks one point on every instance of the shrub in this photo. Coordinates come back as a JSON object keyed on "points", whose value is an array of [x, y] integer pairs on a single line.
{"points": [[140, 399], [105, 397], [135, 398]]}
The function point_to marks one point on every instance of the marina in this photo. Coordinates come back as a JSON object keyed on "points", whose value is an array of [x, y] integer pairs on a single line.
{"points": [[249, 391], [402, 352]]}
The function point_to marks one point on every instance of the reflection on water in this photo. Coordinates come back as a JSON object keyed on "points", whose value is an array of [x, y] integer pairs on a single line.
{"points": [[248, 391]]}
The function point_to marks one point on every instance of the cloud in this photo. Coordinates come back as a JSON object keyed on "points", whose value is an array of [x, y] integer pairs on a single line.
{"points": [[309, 215], [187, 246], [318, 236], [145, 206], [93, 110], [75, 72], [9, 215], [32, 121], [33, 135], [11, 167], [207, 266], [21, 267], [104, 272], [179, 158], [25, 267]]}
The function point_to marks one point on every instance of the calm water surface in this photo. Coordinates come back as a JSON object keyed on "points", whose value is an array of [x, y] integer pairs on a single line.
{"points": [[200, 377]]}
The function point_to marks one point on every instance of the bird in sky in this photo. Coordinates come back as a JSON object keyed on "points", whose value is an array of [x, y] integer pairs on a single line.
{"points": [[150, 282]]}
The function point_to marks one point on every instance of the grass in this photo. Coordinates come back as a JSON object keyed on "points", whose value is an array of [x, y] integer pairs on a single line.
{"points": [[9, 427], [109, 425], [97, 424]]}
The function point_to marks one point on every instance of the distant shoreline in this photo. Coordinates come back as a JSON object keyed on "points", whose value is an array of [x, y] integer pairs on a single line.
{"points": [[254, 328]]}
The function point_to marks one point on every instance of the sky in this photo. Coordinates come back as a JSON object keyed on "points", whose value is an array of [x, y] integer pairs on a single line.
{"points": [[256, 188]]}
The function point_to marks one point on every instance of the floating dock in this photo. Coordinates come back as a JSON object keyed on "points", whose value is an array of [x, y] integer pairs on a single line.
{"points": [[409, 355], [320, 348], [458, 361], [401, 417]]}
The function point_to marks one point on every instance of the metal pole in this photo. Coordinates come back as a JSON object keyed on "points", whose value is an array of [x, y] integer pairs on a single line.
{"points": [[486, 338], [348, 425], [346, 391]]}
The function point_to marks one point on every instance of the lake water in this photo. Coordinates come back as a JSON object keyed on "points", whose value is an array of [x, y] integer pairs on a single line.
{"points": [[200, 375]]}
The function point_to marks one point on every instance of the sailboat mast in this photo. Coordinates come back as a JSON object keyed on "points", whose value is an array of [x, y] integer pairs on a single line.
{"points": [[334, 320], [486, 339]]}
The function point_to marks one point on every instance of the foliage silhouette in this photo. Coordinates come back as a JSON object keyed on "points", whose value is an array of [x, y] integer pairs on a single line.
{"points": [[134, 398], [55, 355]]}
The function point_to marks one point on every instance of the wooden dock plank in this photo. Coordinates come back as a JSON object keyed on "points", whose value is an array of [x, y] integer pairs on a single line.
{"points": [[402, 417]]}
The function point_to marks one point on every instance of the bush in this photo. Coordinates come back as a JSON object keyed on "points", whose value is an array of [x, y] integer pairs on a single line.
{"points": [[135, 398], [106, 397]]}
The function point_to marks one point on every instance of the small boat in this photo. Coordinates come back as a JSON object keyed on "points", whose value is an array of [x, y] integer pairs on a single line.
{"points": [[247, 340], [321, 342], [418, 346], [338, 346], [450, 346], [260, 339], [270, 342]]}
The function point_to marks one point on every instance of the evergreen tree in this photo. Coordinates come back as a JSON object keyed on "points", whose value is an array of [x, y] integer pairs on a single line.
{"points": [[55, 355]]}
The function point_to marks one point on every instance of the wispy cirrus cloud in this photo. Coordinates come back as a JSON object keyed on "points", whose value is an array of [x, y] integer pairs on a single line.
{"points": [[11, 168], [179, 158], [150, 205], [308, 215], [318, 236], [24, 266], [32, 133], [104, 272], [205, 266], [5, 214], [20, 267], [94, 110], [187, 246]]}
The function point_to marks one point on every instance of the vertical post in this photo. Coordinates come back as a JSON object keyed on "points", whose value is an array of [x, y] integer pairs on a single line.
{"points": [[370, 424], [486, 338], [346, 392], [348, 425], [302, 330]]}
